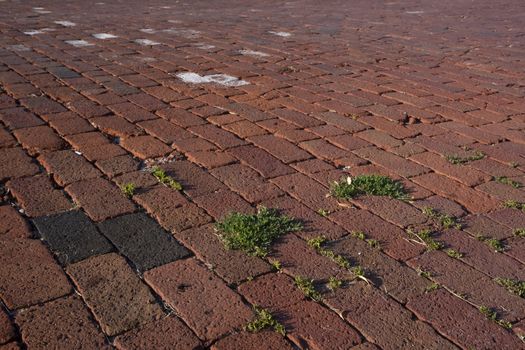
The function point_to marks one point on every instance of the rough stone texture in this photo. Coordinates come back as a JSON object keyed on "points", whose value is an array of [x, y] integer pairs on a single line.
{"points": [[28, 274], [68, 167], [12, 224], [145, 147], [39, 139], [118, 298], [72, 236], [100, 199], [37, 196], [62, 323], [15, 163], [268, 340], [142, 240], [183, 283], [7, 331], [167, 333]]}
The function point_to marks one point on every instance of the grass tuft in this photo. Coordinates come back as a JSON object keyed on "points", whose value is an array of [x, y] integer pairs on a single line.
{"points": [[334, 283], [506, 181], [493, 316], [128, 189], [519, 232], [455, 159], [425, 237], [432, 287], [376, 185], [514, 204], [454, 254], [165, 179], [443, 220], [494, 243], [306, 285], [263, 320], [254, 233], [513, 286]]}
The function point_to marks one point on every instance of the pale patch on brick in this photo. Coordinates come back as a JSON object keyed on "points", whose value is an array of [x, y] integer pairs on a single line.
{"points": [[221, 79]]}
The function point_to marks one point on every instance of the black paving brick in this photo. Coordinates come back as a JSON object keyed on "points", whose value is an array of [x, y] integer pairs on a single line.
{"points": [[142, 240], [72, 236]]}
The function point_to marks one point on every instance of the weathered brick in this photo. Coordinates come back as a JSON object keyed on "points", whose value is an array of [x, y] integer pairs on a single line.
{"points": [[268, 340], [71, 126], [68, 167], [118, 165], [392, 162], [12, 224], [164, 130], [183, 283], [62, 323], [7, 331], [324, 150], [16, 163], [131, 112], [216, 135], [116, 296], [39, 139], [145, 147], [28, 274], [222, 202], [115, 126]]}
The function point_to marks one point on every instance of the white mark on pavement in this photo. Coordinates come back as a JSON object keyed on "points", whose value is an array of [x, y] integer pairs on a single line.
{"points": [[148, 30], [221, 79], [104, 36], [253, 53], [203, 46], [415, 12], [146, 42], [40, 10], [185, 33], [18, 48], [66, 23], [283, 34], [78, 43]]}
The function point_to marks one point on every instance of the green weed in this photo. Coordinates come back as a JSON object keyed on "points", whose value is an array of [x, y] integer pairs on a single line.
{"points": [[376, 185], [165, 179], [493, 316], [513, 286], [506, 181], [128, 189], [263, 320], [455, 159], [307, 287]]}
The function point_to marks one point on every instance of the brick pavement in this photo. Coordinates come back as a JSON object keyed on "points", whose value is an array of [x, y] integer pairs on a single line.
{"points": [[283, 98]]}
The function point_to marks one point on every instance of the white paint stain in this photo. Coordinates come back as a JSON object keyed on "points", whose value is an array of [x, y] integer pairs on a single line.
{"points": [[221, 79], [33, 32], [104, 36], [148, 30], [203, 46], [253, 53], [282, 34], [146, 42], [185, 33], [415, 12], [19, 47], [40, 10], [66, 23], [78, 43]]}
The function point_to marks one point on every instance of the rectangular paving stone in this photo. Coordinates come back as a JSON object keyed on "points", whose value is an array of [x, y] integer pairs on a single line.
{"points": [[266, 339], [283, 150], [12, 224], [28, 274], [72, 236], [62, 323], [142, 240], [260, 160], [7, 331], [392, 162], [68, 167], [38, 197], [114, 293], [39, 139], [100, 198], [16, 163], [182, 284]]}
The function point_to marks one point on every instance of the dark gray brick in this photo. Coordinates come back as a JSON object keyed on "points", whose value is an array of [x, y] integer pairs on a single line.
{"points": [[142, 240], [72, 236]]}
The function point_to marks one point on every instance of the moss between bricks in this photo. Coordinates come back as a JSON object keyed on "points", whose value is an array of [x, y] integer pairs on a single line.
{"points": [[375, 185]]}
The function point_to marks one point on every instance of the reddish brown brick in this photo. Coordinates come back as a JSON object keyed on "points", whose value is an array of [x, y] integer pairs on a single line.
{"points": [[268, 340], [71, 126], [164, 130], [7, 331], [181, 117], [15, 163], [68, 167], [12, 224], [28, 274], [117, 165], [195, 180], [222, 202], [260, 160], [210, 159], [396, 211], [60, 323], [167, 333], [38, 197], [324, 150], [245, 128], [183, 283], [114, 293], [100, 199], [39, 139], [131, 112], [281, 149], [115, 126], [145, 147]]}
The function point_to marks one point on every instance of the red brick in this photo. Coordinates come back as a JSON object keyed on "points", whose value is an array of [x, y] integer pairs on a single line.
{"points": [[118, 165], [379, 138], [7, 331], [480, 225], [116, 296], [348, 142], [395, 329], [164, 130], [115, 126], [461, 323], [181, 117], [167, 333], [218, 136], [477, 134], [37, 196], [324, 150], [146, 101], [145, 147], [300, 119], [195, 180], [62, 323], [474, 201], [342, 122], [42, 105], [233, 266], [183, 283], [392, 162], [28, 274], [510, 217], [39, 139], [245, 128], [503, 192], [463, 279], [87, 108], [442, 205], [68, 167], [279, 148], [394, 129], [210, 159], [260, 160], [12, 224], [164, 93], [131, 112], [396, 211], [268, 340], [222, 202], [15, 163], [71, 126], [100, 199]]}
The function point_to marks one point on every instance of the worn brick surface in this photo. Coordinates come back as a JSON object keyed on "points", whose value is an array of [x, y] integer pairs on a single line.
{"points": [[28, 274], [62, 323], [68, 167], [119, 300], [7, 331], [261, 340], [71, 236], [39, 139], [182, 283], [15, 163], [12, 224]]}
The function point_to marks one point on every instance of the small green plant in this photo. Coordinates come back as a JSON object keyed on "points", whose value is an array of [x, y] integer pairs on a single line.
{"points": [[376, 185], [334, 283], [316, 242], [494, 243], [128, 189], [263, 320], [493, 316], [359, 234], [457, 160], [506, 181], [323, 212], [514, 204], [424, 237], [276, 265], [513, 286], [454, 254], [443, 220], [306, 285], [432, 287], [373, 243], [254, 233], [519, 232], [165, 179], [423, 273]]}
